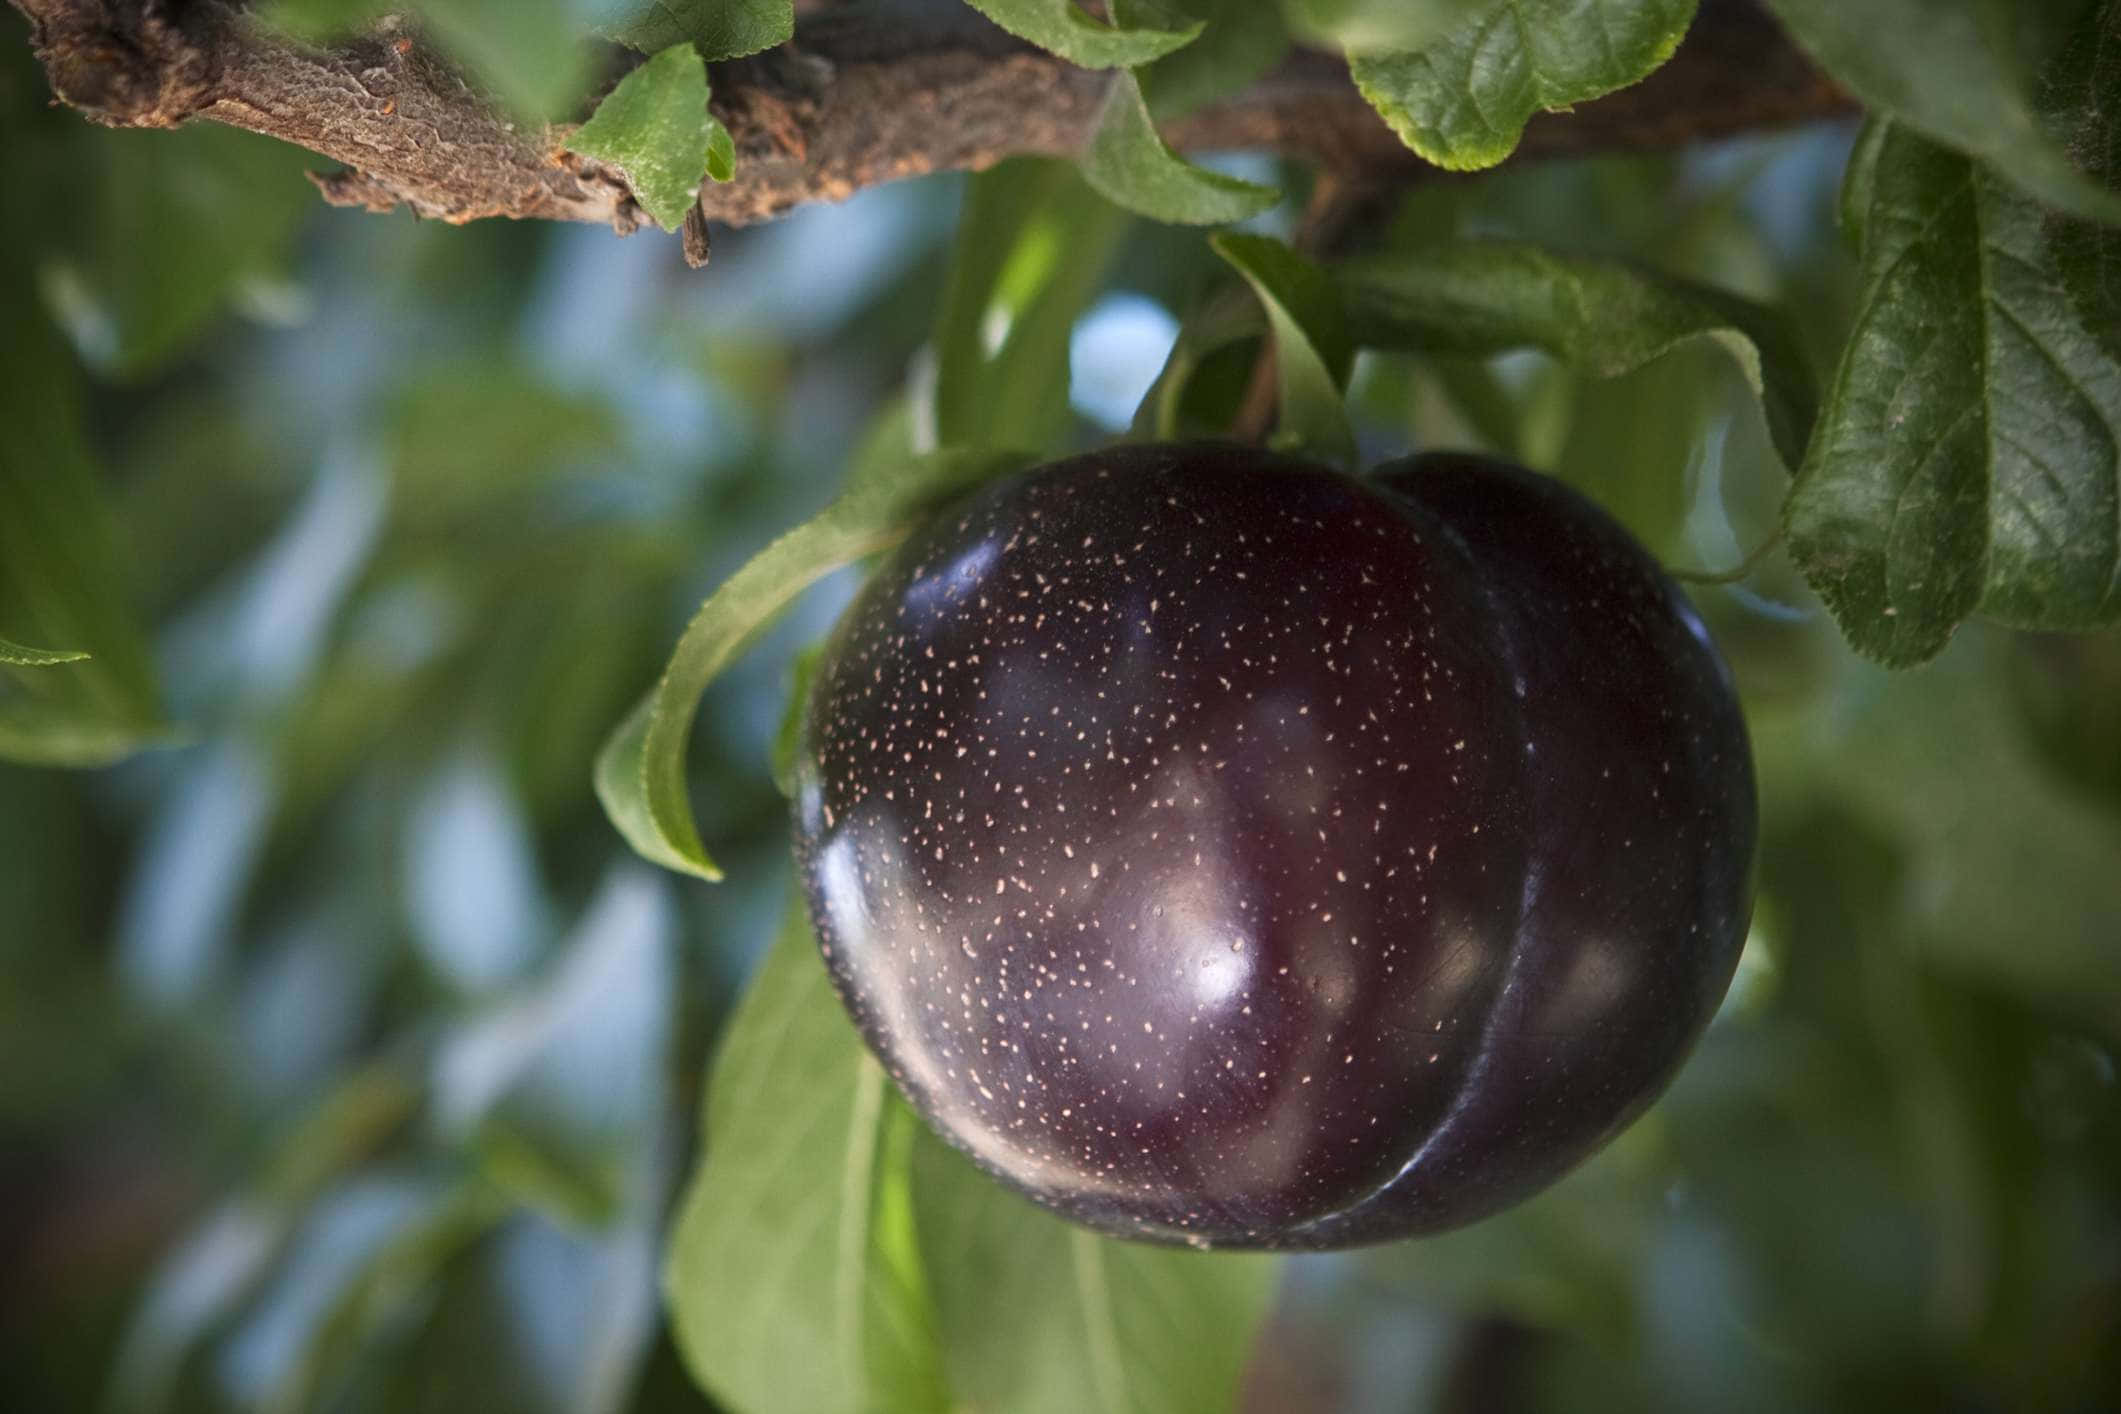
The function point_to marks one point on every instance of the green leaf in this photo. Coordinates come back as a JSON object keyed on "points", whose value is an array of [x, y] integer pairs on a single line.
{"points": [[788, 740], [1640, 445], [640, 774], [1241, 40], [1485, 297], [1462, 99], [528, 52], [719, 29], [721, 151], [20, 656], [1969, 455], [2081, 102], [1366, 26], [655, 128], [1964, 73], [1213, 338], [1039, 1316], [1032, 246], [61, 569], [1312, 352], [550, 1175], [381, 1291], [1469, 400], [793, 1278], [2010, 866], [468, 433], [181, 226], [339, 1130], [320, 19], [1569, 1259], [1131, 166], [1061, 27], [191, 1294]]}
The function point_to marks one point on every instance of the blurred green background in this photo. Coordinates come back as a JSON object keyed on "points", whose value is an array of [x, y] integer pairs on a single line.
{"points": [[348, 1061]]}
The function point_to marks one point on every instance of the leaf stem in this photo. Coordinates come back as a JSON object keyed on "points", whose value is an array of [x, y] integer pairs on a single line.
{"points": [[1256, 414], [1744, 568]]}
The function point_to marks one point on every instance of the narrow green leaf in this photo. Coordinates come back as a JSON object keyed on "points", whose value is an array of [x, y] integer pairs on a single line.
{"points": [[1964, 73], [719, 29], [20, 656], [640, 774], [622, 789], [1129, 163], [1038, 1316], [36, 734], [1061, 27], [1969, 455], [61, 575], [1312, 352], [1462, 99], [655, 128], [792, 1277], [1485, 297], [1032, 246]]}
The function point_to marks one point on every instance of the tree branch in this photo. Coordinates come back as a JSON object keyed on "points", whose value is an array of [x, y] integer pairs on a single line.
{"points": [[410, 129], [858, 99]]}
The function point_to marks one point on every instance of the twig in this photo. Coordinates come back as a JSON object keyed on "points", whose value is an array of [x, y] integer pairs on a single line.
{"points": [[1740, 573], [859, 98]]}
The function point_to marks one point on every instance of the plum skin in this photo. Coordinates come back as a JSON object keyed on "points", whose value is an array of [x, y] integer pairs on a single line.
{"points": [[1219, 849]]}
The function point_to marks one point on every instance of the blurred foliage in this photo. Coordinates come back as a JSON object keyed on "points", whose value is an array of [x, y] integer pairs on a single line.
{"points": [[354, 1061]]}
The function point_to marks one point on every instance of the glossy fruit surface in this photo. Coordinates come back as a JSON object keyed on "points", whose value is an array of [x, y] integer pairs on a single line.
{"points": [[1223, 850]]}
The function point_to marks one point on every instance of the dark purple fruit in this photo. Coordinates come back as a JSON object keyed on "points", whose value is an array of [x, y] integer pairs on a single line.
{"points": [[1222, 850]]}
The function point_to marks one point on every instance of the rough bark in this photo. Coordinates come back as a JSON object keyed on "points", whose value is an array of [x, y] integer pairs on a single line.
{"points": [[857, 99]]}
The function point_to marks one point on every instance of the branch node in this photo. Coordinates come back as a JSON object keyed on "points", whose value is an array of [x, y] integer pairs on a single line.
{"points": [[125, 65]]}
